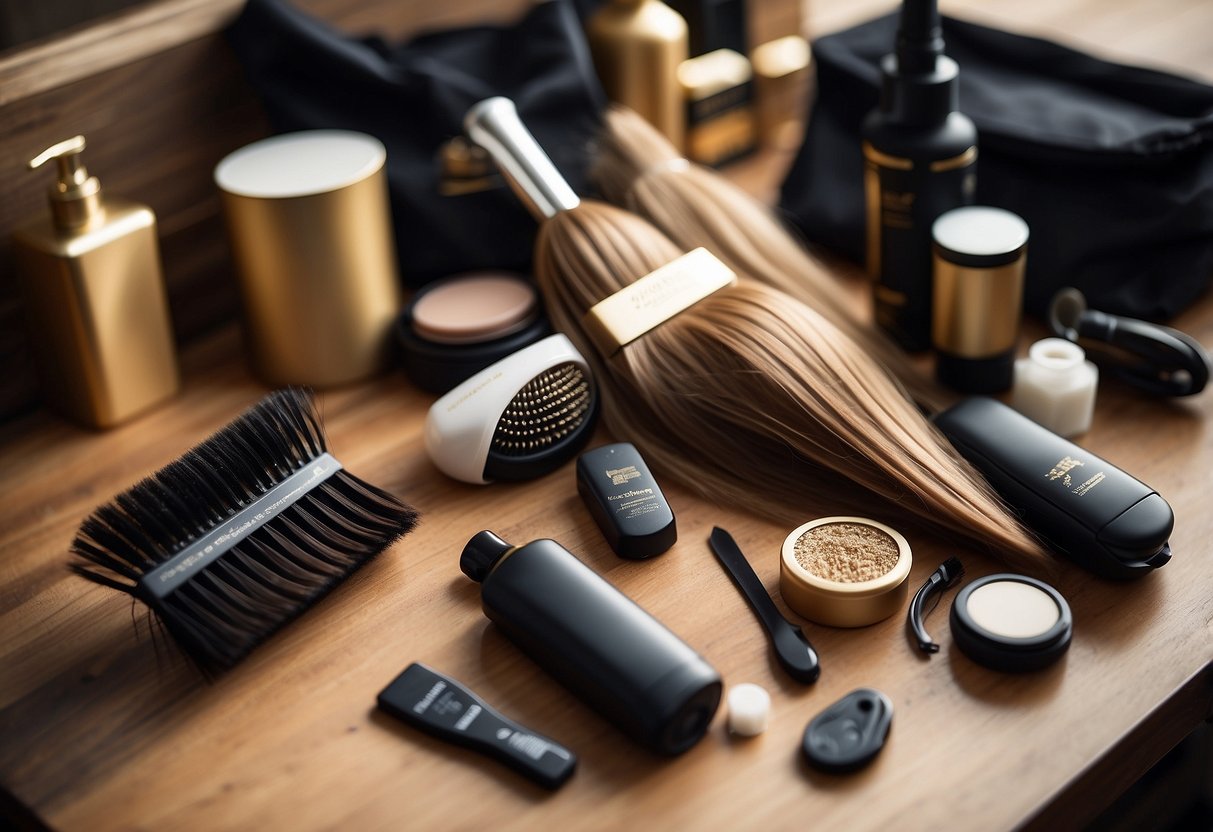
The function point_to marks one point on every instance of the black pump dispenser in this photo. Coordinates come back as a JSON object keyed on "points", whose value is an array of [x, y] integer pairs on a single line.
{"points": [[919, 84], [595, 640], [919, 161]]}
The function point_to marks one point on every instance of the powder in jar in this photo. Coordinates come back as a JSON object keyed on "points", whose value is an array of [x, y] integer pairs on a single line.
{"points": [[846, 552]]}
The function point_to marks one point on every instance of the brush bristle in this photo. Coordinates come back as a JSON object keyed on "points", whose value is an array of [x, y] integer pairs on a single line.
{"points": [[952, 569], [547, 409], [277, 571]]}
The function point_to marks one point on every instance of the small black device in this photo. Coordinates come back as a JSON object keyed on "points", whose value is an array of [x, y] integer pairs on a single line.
{"points": [[850, 733], [1153, 358], [948, 573], [625, 501], [445, 709]]}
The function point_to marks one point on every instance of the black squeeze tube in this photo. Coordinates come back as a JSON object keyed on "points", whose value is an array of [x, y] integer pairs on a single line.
{"points": [[595, 641], [1085, 507], [443, 708]]}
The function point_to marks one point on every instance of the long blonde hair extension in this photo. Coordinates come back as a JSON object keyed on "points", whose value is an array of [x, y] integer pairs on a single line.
{"points": [[755, 399], [637, 168]]}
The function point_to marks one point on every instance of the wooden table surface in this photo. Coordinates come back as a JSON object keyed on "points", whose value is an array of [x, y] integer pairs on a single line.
{"points": [[98, 731]]}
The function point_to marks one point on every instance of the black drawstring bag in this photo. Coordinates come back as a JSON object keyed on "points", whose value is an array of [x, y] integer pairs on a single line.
{"points": [[451, 210], [1111, 165]]}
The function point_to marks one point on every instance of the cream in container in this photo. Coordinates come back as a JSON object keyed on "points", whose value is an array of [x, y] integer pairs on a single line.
{"points": [[844, 571]]}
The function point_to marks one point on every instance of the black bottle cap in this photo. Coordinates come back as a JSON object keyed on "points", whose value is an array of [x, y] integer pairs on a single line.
{"points": [[922, 98], [481, 554], [919, 83]]}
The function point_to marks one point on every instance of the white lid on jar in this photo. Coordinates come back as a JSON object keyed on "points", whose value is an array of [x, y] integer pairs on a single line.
{"points": [[300, 164]]}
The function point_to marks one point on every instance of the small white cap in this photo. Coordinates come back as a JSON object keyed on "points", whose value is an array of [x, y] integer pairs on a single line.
{"points": [[749, 707]]}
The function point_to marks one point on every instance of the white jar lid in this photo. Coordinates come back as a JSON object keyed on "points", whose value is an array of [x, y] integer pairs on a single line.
{"points": [[978, 233], [300, 164]]}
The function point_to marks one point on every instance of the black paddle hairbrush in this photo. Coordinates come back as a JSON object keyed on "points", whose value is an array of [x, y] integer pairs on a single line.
{"points": [[241, 534]]}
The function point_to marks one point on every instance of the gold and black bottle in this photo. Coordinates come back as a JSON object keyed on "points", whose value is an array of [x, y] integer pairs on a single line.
{"points": [[920, 159], [95, 298]]}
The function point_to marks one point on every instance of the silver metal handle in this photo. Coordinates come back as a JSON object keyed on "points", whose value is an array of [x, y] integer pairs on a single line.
{"points": [[494, 125]]}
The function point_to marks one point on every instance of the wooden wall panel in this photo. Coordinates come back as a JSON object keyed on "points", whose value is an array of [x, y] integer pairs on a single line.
{"points": [[161, 99]]}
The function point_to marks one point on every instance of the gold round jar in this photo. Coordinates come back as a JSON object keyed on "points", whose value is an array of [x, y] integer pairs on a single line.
{"points": [[844, 571]]}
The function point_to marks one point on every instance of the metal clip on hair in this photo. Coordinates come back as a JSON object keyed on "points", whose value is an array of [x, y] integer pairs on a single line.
{"points": [[1153, 358], [943, 578]]}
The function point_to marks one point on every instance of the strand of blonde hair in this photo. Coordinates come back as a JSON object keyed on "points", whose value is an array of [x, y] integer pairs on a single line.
{"points": [[753, 398]]}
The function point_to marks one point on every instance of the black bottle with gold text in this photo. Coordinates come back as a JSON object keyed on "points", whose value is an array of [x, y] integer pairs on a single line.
{"points": [[920, 160]]}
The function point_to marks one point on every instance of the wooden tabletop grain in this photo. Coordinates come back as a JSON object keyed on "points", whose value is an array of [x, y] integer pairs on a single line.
{"points": [[99, 731]]}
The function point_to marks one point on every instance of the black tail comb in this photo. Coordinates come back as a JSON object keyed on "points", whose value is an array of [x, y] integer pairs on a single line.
{"points": [[241, 534]]}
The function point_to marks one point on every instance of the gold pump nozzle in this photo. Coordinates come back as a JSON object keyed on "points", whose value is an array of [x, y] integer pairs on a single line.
{"points": [[76, 196]]}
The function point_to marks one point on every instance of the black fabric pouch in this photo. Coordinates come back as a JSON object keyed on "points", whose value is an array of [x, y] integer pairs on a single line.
{"points": [[1111, 165], [451, 210]]}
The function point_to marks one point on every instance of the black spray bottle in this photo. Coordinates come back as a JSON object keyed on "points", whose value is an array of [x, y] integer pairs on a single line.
{"points": [[594, 640], [920, 159]]}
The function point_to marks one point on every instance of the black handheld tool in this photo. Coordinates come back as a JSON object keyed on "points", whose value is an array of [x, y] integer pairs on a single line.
{"points": [[792, 649], [1153, 358]]}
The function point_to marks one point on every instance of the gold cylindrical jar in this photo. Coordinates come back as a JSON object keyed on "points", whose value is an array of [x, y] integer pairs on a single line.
{"points": [[309, 224], [979, 256], [854, 598]]}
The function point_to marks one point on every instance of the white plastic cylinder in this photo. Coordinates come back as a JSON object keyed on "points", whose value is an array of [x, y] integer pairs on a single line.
{"points": [[1055, 386], [749, 709]]}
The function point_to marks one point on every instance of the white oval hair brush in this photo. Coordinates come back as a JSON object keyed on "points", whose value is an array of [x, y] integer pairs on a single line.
{"points": [[517, 419]]}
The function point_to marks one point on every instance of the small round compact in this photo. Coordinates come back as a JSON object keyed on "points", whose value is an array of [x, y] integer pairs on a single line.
{"points": [[844, 571], [1011, 622], [455, 327]]}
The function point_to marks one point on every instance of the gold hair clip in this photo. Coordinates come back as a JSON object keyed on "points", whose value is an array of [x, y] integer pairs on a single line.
{"points": [[652, 300]]}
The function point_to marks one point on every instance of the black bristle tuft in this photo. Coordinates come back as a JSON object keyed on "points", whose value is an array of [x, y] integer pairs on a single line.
{"points": [[270, 576], [953, 570]]}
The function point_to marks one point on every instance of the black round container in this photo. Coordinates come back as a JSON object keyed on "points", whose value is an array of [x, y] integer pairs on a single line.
{"points": [[438, 367], [1039, 633], [595, 641]]}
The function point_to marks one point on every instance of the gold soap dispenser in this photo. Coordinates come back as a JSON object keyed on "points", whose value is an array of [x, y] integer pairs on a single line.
{"points": [[95, 298]]}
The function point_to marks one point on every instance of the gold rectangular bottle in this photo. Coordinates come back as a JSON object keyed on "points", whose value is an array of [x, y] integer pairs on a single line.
{"points": [[94, 299]]}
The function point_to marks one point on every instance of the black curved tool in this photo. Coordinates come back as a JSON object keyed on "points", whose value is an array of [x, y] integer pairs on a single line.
{"points": [[793, 650], [1153, 358]]}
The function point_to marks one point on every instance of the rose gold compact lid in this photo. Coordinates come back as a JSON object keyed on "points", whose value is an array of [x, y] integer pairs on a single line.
{"points": [[844, 571], [475, 308]]}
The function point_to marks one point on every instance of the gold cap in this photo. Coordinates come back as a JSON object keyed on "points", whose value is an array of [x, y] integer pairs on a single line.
{"points": [[781, 57]]}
